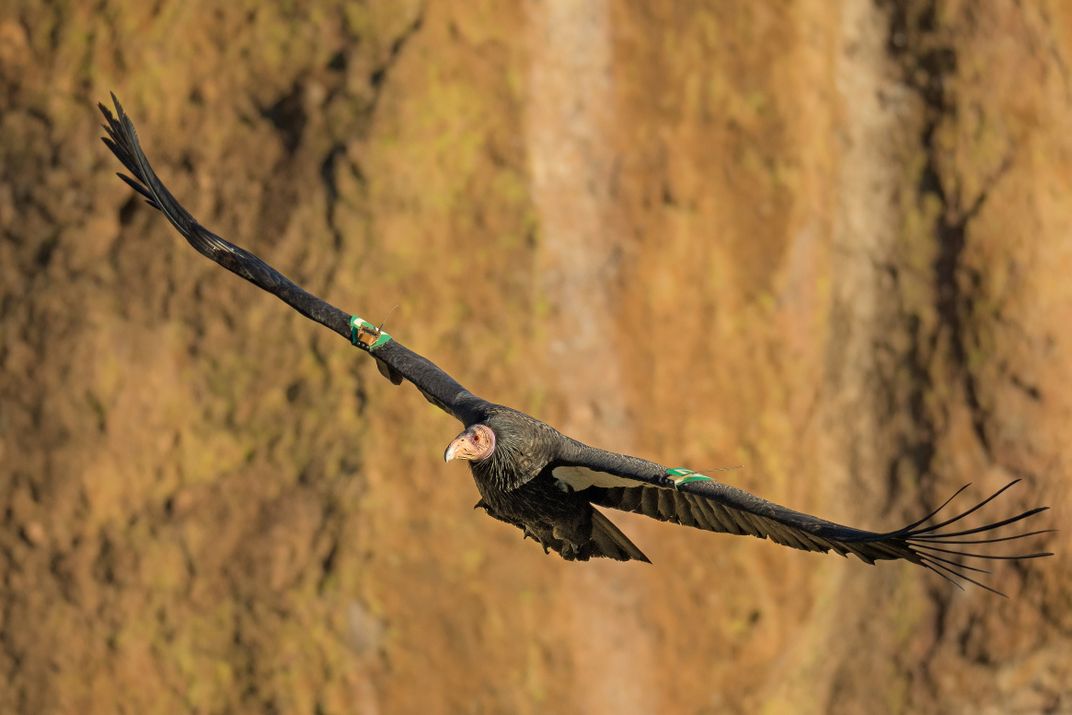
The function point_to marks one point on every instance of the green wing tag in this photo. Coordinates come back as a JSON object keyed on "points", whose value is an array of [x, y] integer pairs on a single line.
{"points": [[684, 476], [365, 335]]}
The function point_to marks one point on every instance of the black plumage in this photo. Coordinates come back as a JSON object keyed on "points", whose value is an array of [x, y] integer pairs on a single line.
{"points": [[547, 484]]}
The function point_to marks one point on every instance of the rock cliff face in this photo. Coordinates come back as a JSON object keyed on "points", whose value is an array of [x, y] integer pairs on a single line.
{"points": [[829, 242]]}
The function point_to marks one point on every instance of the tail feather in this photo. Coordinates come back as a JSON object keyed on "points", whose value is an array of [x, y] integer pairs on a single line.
{"points": [[608, 541]]}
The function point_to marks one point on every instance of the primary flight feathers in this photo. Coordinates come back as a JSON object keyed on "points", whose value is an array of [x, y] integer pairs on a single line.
{"points": [[547, 484]]}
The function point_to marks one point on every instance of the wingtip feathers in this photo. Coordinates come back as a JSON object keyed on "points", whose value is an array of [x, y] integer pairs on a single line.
{"points": [[928, 542]]}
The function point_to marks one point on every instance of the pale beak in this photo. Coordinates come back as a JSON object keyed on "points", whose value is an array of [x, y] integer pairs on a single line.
{"points": [[454, 448]]}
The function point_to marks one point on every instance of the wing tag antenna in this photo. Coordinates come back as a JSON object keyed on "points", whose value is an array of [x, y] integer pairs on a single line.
{"points": [[389, 314]]}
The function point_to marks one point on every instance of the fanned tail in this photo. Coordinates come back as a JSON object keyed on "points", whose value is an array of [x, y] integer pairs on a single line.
{"points": [[609, 541]]}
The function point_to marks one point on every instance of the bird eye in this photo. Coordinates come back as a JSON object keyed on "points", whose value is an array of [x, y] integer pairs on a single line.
{"points": [[476, 437]]}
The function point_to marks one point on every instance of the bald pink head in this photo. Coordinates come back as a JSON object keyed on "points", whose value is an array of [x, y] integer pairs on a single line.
{"points": [[472, 445]]}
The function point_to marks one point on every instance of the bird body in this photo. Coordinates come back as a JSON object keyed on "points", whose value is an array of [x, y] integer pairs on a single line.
{"points": [[518, 486], [551, 486]]}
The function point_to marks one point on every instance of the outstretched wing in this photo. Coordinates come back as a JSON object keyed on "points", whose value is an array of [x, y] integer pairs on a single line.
{"points": [[393, 359], [682, 496]]}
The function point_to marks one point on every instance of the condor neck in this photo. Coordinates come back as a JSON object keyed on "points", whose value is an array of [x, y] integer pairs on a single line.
{"points": [[505, 469]]}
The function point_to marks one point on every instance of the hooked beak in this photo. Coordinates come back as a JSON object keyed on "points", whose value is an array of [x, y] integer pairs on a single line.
{"points": [[453, 449]]}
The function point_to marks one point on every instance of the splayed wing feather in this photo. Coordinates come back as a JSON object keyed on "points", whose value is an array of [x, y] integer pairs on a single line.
{"points": [[437, 386], [713, 506], [998, 557], [943, 505], [958, 517], [1014, 537]]}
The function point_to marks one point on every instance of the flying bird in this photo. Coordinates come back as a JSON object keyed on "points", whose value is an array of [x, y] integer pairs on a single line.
{"points": [[549, 485]]}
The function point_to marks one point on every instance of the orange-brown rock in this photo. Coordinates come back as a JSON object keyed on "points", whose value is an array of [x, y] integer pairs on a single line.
{"points": [[827, 241]]}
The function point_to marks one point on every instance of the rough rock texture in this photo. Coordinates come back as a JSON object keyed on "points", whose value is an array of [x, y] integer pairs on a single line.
{"points": [[829, 242]]}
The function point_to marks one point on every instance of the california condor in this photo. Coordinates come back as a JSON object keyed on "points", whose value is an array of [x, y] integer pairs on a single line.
{"points": [[547, 484]]}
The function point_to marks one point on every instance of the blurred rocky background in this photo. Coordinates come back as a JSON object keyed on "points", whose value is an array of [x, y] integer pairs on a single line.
{"points": [[828, 241]]}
